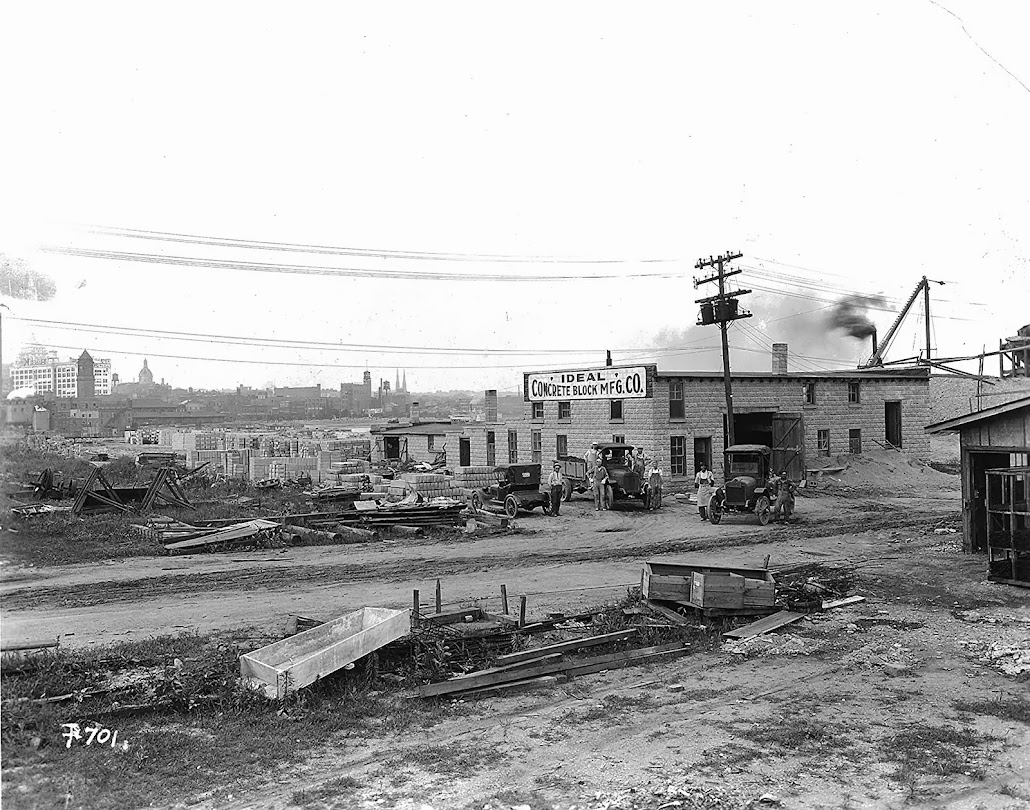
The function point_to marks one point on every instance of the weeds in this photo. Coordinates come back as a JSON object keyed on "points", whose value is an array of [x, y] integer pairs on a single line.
{"points": [[934, 751], [1008, 707], [612, 708], [327, 790], [792, 732]]}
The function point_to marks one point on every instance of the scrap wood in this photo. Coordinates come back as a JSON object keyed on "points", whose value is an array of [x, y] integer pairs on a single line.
{"points": [[848, 600], [230, 534], [453, 616], [566, 646], [583, 667], [769, 623], [667, 612], [542, 682]]}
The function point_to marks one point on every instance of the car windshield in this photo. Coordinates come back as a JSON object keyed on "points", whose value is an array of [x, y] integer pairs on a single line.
{"points": [[743, 465], [616, 457], [501, 476]]}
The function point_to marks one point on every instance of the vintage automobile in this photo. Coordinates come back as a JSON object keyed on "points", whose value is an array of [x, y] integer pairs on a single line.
{"points": [[625, 481], [517, 486], [747, 489]]}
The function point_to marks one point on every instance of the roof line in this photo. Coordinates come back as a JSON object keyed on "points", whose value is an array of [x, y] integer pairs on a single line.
{"points": [[961, 421]]}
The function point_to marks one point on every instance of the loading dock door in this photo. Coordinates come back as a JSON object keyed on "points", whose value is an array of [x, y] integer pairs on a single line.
{"points": [[788, 445]]}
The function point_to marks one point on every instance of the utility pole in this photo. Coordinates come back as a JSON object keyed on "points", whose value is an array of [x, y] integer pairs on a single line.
{"points": [[926, 311], [722, 309]]}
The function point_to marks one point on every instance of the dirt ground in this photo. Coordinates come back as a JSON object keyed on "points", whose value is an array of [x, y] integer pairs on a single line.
{"points": [[830, 712]]}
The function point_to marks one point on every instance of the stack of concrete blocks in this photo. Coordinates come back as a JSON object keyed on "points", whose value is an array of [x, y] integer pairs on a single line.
{"points": [[282, 467], [473, 477], [432, 485], [233, 463]]}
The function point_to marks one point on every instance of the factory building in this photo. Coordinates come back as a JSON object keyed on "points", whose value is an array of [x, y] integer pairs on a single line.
{"points": [[680, 417]]}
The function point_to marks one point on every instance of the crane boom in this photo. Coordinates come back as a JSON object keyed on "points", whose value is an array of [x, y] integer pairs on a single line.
{"points": [[881, 349]]}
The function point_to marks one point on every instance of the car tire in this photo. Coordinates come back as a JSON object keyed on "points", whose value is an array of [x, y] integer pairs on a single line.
{"points": [[511, 506], [763, 510], [476, 502], [715, 512], [567, 493]]}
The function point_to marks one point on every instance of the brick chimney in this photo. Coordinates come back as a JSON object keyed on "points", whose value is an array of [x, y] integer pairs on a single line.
{"points": [[490, 405], [779, 358]]}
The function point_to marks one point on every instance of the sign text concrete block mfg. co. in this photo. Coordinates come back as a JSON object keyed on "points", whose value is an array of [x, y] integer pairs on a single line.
{"points": [[602, 383]]}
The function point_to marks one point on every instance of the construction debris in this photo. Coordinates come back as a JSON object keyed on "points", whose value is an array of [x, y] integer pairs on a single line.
{"points": [[212, 539]]}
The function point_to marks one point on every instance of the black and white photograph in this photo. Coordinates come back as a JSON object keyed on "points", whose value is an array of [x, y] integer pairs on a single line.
{"points": [[492, 406]]}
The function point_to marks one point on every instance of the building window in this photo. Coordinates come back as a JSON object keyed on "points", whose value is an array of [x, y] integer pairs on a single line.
{"points": [[538, 410], [562, 445], [854, 392], [616, 410], [513, 447], [676, 409], [824, 442], [810, 393], [854, 440], [538, 446], [678, 455], [564, 411], [430, 442]]}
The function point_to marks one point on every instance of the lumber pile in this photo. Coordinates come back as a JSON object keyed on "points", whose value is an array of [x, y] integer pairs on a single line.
{"points": [[208, 539], [524, 669]]}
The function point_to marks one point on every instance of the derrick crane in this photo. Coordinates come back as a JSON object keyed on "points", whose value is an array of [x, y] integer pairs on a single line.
{"points": [[879, 349]]}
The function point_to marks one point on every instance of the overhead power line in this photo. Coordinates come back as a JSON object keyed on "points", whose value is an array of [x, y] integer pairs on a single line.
{"points": [[376, 253], [337, 272]]}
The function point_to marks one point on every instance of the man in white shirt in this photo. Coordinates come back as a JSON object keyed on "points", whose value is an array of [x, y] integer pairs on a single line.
{"points": [[704, 481], [704, 477], [654, 486], [556, 482]]}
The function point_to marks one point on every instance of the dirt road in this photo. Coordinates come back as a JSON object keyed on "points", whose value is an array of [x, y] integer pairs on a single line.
{"points": [[580, 558]]}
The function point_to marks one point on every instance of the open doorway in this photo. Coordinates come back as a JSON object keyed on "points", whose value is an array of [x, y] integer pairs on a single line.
{"points": [[976, 487], [392, 448], [892, 423], [784, 433], [465, 452]]}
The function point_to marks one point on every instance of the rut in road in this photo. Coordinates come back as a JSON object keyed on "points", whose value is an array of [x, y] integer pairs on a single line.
{"points": [[253, 578]]}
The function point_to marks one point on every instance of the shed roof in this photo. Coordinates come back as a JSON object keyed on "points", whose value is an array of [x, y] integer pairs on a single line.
{"points": [[422, 429], [960, 422]]}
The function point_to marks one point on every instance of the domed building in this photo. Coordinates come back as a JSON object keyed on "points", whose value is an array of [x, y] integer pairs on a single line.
{"points": [[146, 376]]}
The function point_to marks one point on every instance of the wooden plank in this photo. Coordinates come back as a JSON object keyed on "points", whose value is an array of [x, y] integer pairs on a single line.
{"points": [[11, 646], [672, 615], [567, 646], [543, 682], [553, 658], [847, 600], [500, 618], [613, 661], [769, 623], [686, 569], [454, 616]]}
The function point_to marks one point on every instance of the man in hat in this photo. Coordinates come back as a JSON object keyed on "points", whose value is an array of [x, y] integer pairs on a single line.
{"points": [[557, 484], [785, 490]]}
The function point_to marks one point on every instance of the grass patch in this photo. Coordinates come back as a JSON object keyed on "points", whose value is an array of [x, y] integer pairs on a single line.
{"points": [[190, 726], [327, 790], [730, 756], [791, 732], [612, 707], [452, 759], [935, 751], [1008, 707]]}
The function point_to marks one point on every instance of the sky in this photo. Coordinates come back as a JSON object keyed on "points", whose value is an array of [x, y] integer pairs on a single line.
{"points": [[588, 153]]}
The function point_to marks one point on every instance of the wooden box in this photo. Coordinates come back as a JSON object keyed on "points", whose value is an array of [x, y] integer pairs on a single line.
{"points": [[672, 581], [302, 659], [759, 593], [717, 590]]}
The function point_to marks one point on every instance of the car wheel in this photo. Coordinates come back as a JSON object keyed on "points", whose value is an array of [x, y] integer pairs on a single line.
{"points": [[715, 512], [477, 502], [567, 494], [763, 511], [511, 506]]}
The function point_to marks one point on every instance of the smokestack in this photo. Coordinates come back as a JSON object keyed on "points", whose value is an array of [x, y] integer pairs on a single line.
{"points": [[779, 358], [608, 359], [414, 413], [491, 405], [875, 344]]}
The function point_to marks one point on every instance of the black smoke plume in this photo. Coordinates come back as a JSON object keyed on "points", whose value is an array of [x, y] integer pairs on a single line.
{"points": [[849, 315]]}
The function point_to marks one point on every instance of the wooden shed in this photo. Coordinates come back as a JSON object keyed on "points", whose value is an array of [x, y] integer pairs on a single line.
{"points": [[997, 438]]}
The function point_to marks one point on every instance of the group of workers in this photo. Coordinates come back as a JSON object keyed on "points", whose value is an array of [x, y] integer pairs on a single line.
{"points": [[598, 463], [780, 487]]}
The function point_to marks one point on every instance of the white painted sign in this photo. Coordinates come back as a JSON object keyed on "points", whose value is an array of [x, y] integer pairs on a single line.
{"points": [[603, 383]]}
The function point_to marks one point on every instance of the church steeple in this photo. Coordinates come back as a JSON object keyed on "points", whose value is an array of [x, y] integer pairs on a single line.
{"points": [[404, 382]]}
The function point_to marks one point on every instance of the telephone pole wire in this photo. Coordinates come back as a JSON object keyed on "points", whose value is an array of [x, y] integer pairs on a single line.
{"points": [[722, 309]]}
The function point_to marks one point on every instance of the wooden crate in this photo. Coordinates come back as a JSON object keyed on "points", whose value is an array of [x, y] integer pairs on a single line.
{"points": [[759, 593], [717, 590], [672, 581], [300, 660]]}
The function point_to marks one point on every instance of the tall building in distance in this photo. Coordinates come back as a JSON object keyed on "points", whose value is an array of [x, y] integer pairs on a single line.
{"points": [[83, 377], [146, 376]]}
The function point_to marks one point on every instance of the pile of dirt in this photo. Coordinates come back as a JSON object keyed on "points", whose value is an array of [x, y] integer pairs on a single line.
{"points": [[882, 470]]}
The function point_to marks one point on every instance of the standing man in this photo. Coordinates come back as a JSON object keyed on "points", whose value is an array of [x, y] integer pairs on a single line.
{"points": [[557, 484], [654, 486], [591, 459], [785, 490], [600, 488]]}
